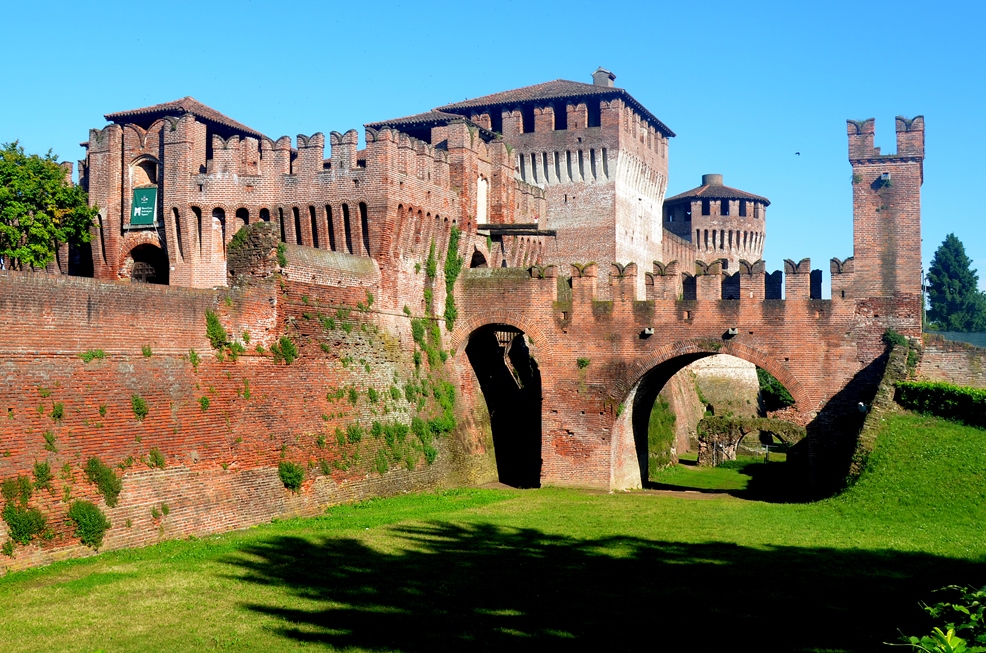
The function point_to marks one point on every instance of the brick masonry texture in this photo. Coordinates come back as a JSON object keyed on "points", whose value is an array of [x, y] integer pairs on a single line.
{"points": [[357, 230]]}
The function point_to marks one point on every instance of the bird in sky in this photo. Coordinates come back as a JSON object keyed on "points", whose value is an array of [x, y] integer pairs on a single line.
{"points": [[797, 154]]}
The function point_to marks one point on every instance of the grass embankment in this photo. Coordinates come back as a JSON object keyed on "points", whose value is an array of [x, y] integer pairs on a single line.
{"points": [[522, 570]]}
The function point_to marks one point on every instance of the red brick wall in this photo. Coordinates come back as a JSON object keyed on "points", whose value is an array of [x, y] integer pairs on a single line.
{"points": [[952, 362]]}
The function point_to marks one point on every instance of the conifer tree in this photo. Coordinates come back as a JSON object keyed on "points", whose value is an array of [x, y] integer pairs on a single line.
{"points": [[953, 290]]}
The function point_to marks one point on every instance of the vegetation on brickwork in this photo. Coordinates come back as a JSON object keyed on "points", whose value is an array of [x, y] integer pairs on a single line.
{"points": [[772, 392], [146, 351], [92, 354], [23, 523], [956, 302], [365, 306], [90, 523], [50, 441], [453, 266], [582, 363], [961, 404], [194, 359], [892, 338], [238, 240], [42, 476], [57, 411], [215, 331], [431, 264], [282, 255], [44, 392], [155, 458], [715, 426], [373, 395], [354, 433], [105, 480], [39, 209], [139, 406], [292, 475], [284, 350], [661, 438]]}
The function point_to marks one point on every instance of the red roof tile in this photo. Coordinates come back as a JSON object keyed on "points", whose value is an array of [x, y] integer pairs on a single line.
{"points": [[179, 107], [717, 192]]}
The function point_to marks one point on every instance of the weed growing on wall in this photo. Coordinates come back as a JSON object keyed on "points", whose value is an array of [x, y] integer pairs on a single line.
{"points": [[582, 363], [215, 331], [282, 255], [42, 476], [292, 475], [431, 265], [453, 266], [204, 403], [155, 458], [17, 489], [92, 354], [57, 412], [50, 442], [194, 359], [284, 350], [90, 523], [354, 433], [23, 523], [105, 480], [146, 351], [139, 407]]}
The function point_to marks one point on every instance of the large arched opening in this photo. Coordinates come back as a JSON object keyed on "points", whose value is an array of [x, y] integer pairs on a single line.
{"points": [[510, 380], [675, 385], [147, 264]]}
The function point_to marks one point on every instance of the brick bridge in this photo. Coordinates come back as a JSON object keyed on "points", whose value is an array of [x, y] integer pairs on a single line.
{"points": [[575, 410]]}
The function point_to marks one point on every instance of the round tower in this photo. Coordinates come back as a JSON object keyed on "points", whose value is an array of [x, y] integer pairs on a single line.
{"points": [[725, 224]]}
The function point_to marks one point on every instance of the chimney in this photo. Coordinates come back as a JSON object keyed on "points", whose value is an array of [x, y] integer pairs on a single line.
{"points": [[712, 180], [602, 77]]}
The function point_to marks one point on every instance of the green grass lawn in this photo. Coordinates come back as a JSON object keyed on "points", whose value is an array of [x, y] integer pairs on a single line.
{"points": [[525, 570]]}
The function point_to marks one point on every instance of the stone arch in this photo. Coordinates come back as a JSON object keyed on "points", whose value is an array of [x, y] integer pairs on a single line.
{"points": [[145, 262], [638, 385], [464, 328]]}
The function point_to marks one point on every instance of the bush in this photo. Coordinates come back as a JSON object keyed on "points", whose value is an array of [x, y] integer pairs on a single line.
{"points": [[194, 358], [16, 489], [891, 338], [284, 350], [215, 331], [57, 412], [90, 523], [380, 462], [23, 523], [139, 407], [282, 256], [103, 478], [967, 405], [204, 403], [155, 458], [146, 351], [92, 354], [291, 475], [582, 363], [354, 433], [42, 475]]}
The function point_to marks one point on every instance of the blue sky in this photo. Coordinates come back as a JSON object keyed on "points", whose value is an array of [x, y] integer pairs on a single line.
{"points": [[744, 85]]}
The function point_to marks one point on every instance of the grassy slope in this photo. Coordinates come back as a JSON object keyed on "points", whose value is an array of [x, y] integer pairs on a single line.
{"points": [[483, 569]]}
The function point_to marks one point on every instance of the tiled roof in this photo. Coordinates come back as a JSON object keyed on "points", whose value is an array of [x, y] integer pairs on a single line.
{"points": [[426, 118], [717, 192], [560, 88], [182, 106]]}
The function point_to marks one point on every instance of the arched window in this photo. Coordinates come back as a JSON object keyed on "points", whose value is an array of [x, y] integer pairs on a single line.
{"points": [[198, 225], [314, 221], [364, 223], [297, 224], [265, 215], [219, 222], [347, 228], [280, 221], [332, 229], [177, 218], [244, 215]]}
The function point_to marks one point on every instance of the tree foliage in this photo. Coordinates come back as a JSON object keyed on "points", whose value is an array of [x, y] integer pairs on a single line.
{"points": [[953, 290], [38, 208]]}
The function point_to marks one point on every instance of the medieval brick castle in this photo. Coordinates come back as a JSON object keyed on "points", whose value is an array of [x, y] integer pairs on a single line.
{"points": [[496, 288], [552, 173]]}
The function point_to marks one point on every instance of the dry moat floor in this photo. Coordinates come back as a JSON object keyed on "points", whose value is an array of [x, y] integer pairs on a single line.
{"points": [[494, 569]]}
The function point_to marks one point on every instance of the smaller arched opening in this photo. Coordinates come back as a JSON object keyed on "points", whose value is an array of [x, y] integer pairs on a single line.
{"points": [[265, 215], [510, 380], [147, 264], [219, 225], [478, 260]]}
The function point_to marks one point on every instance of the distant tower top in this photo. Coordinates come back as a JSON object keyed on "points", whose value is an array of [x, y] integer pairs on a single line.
{"points": [[603, 77]]}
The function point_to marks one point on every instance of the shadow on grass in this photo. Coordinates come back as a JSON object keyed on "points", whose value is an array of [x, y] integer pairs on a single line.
{"points": [[484, 587]]}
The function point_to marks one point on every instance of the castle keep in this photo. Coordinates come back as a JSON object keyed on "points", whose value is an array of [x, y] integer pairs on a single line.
{"points": [[495, 288]]}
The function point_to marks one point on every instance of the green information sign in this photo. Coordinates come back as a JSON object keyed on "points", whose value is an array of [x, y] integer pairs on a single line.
{"points": [[144, 206]]}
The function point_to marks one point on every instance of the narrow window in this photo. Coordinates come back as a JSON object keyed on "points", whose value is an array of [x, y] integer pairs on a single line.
{"points": [[219, 216], [581, 166], [568, 163], [345, 226], [265, 215], [558, 166], [698, 236], [280, 221], [561, 116], [544, 162], [742, 208], [724, 207], [527, 119], [730, 239], [181, 251], [722, 239], [706, 239], [297, 224], [365, 226], [311, 214], [534, 167], [605, 164], [332, 230], [595, 113], [198, 223], [523, 168], [496, 121], [705, 207], [592, 163]]}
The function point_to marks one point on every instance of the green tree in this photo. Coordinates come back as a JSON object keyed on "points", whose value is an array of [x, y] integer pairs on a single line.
{"points": [[953, 290], [39, 209]]}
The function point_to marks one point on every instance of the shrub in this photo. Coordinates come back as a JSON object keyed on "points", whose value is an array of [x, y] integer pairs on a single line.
{"points": [[165, 509], [891, 338], [431, 265], [395, 393], [50, 442], [139, 407], [102, 410], [16, 489], [194, 358], [353, 396], [146, 351], [215, 331], [284, 350], [105, 480], [92, 354], [23, 523], [953, 402], [204, 403], [58, 411], [155, 458], [320, 441], [42, 475], [291, 475], [380, 462], [235, 349], [373, 395], [282, 256], [582, 363], [354, 433], [90, 523]]}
